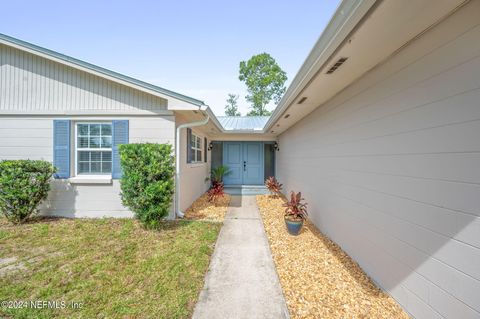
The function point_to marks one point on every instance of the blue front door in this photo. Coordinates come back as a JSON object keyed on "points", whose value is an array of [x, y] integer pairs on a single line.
{"points": [[245, 161]]}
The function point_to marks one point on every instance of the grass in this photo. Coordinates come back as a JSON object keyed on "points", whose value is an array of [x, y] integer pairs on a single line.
{"points": [[111, 267]]}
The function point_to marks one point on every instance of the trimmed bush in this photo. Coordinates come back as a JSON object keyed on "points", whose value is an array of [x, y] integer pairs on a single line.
{"points": [[24, 184], [148, 180]]}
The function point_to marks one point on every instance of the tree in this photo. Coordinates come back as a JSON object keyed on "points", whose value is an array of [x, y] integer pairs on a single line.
{"points": [[265, 81], [231, 108]]}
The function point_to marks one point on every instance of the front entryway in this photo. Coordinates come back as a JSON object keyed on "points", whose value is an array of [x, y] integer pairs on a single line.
{"points": [[245, 162]]}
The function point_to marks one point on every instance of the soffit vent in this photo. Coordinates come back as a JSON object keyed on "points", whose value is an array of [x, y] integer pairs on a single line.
{"points": [[336, 65], [302, 100]]}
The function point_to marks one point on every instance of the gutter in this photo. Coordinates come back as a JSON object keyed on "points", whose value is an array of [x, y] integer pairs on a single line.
{"points": [[179, 213]]}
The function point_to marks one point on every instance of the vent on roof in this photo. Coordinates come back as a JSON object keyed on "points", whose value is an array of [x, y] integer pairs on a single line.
{"points": [[302, 100], [336, 65], [286, 116]]}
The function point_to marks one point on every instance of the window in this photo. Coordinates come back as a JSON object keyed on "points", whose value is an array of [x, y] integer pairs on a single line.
{"points": [[196, 148], [93, 148]]}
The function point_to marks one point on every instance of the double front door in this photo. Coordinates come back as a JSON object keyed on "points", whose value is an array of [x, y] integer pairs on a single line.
{"points": [[245, 162]]}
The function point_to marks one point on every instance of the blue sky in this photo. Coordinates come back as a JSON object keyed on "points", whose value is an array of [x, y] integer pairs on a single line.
{"points": [[192, 47]]}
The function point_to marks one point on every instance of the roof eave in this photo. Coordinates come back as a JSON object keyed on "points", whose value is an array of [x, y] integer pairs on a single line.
{"points": [[346, 17]]}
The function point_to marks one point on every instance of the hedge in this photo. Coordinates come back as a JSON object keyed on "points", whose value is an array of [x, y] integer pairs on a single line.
{"points": [[147, 184], [24, 184]]}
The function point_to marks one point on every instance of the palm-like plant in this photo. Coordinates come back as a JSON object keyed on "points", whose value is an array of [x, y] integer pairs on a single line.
{"points": [[295, 208], [218, 173], [216, 177]]}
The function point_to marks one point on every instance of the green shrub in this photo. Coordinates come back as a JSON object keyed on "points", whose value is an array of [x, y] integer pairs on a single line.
{"points": [[24, 184], [148, 180]]}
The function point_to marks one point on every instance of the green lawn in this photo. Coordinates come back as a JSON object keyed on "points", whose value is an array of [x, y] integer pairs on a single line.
{"points": [[110, 267]]}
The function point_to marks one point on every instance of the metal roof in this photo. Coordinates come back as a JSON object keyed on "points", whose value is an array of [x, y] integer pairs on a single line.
{"points": [[95, 68], [243, 123]]}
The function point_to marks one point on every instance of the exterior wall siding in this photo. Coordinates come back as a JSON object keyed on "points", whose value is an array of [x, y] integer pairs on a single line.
{"points": [[32, 84], [32, 138], [192, 175], [390, 168]]}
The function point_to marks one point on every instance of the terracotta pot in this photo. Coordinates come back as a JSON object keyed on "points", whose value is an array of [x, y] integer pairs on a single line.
{"points": [[294, 226]]}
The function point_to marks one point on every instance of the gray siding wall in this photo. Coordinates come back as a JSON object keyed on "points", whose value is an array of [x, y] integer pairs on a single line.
{"points": [[32, 84], [390, 168], [192, 175], [32, 138]]}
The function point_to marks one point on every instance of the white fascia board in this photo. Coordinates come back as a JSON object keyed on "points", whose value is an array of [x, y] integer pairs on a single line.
{"points": [[348, 14]]}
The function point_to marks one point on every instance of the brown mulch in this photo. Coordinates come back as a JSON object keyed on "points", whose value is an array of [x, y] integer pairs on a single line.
{"points": [[318, 278], [202, 209]]}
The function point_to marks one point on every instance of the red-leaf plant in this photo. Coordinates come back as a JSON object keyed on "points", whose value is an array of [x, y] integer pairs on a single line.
{"points": [[215, 192], [273, 185], [295, 208]]}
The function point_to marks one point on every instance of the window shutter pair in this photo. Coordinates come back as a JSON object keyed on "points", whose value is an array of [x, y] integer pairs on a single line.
{"points": [[189, 147], [61, 146]]}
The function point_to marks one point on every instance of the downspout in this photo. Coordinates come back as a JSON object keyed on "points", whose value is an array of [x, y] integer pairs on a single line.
{"points": [[179, 213]]}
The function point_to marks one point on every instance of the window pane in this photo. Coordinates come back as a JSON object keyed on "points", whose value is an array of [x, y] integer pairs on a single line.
{"points": [[94, 136], [106, 142], [94, 142], [106, 167], [94, 129], [83, 156], [106, 130], [83, 168], [95, 167], [95, 156], [199, 142], [82, 142], [199, 156], [106, 156], [82, 129]]}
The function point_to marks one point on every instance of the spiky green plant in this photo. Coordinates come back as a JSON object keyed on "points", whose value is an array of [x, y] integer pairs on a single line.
{"points": [[218, 173]]}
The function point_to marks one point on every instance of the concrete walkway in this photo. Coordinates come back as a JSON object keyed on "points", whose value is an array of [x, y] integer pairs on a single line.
{"points": [[242, 281]]}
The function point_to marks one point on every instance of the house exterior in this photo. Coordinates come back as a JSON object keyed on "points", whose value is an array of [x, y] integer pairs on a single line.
{"points": [[379, 130], [72, 113]]}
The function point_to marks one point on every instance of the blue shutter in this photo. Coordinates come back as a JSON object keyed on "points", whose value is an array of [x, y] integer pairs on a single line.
{"points": [[205, 149], [189, 145], [120, 136], [61, 148]]}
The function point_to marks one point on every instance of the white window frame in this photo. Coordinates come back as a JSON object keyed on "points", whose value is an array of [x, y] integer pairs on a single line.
{"points": [[197, 148], [90, 149]]}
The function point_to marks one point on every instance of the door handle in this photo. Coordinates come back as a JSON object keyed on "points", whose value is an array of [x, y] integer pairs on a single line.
{"points": [[244, 166]]}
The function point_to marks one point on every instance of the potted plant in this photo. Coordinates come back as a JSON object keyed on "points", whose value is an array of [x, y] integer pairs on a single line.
{"points": [[295, 213], [273, 186]]}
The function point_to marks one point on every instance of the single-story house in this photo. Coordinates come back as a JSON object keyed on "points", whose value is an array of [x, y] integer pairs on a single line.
{"points": [[379, 130], [75, 114]]}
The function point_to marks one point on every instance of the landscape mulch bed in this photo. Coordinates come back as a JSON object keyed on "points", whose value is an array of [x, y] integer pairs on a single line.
{"points": [[202, 209], [318, 278]]}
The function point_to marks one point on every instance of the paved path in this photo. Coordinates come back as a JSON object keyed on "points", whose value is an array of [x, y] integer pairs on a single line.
{"points": [[242, 281]]}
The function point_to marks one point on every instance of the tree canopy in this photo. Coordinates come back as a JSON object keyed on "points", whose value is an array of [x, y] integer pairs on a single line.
{"points": [[231, 108], [265, 81]]}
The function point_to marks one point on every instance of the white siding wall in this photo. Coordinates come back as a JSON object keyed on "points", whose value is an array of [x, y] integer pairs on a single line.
{"points": [[32, 137], [32, 84], [390, 168], [192, 176]]}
